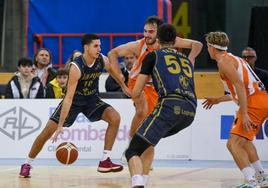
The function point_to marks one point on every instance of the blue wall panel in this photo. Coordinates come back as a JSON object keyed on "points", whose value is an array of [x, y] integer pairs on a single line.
{"points": [[86, 16]]}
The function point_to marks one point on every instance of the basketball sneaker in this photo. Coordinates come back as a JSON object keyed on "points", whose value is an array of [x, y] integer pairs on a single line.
{"points": [[25, 170], [250, 184], [262, 181], [108, 166]]}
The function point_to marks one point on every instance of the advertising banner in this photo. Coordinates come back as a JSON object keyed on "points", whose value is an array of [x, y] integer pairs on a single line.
{"points": [[21, 121]]}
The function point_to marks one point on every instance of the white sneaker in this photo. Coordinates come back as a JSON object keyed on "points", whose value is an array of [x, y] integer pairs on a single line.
{"points": [[250, 184], [262, 181]]}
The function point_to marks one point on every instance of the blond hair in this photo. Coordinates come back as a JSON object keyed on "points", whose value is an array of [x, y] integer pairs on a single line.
{"points": [[218, 38]]}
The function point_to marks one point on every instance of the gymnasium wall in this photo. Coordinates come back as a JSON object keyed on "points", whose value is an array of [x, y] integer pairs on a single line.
{"points": [[83, 16]]}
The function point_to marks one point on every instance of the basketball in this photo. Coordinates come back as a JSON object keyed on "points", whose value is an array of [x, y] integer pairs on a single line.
{"points": [[66, 153]]}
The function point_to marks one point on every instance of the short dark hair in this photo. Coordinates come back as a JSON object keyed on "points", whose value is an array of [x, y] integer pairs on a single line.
{"points": [[248, 49], [24, 61], [166, 34], [88, 38], [154, 20], [62, 71]]}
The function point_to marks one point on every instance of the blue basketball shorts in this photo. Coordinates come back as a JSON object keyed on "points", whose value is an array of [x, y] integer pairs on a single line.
{"points": [[170, 116]]}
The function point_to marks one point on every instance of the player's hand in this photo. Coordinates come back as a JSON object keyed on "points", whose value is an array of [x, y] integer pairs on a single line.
{"points": [[247, 125], [209, 102], [127, 91], [57, 133]]}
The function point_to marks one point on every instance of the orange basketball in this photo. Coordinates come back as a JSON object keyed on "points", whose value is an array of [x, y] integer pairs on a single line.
{"points": [[66, 153]]}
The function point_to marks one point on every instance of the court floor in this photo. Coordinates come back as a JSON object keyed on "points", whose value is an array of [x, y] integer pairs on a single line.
{"points": [[169, 174]]}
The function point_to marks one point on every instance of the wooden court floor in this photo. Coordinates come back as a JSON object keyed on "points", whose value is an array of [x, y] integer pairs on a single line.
{"points": [[88, 177]]}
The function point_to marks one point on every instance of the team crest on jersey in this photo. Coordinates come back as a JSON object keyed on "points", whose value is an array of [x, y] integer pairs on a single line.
{"points": [[184, 81], [177, 110]]}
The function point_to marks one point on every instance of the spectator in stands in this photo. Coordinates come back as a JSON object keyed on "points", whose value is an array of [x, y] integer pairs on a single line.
{"points": [[249, 55], [75, 54], [43, 67], [24, 84], [111, 84], [56, 87]]}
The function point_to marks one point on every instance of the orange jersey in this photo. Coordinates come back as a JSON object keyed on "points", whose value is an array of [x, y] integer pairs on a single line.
{"points": [[246, 74], [143, 51], [150, 93], [257, 99]]}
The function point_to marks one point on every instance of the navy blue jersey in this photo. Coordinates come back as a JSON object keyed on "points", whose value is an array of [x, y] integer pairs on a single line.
{"points": [[88, 84], [172, 73]]}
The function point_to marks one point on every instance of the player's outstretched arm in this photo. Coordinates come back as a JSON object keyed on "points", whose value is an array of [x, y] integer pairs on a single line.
{"points": [[229, 70], [119, 78], [139, 85], [211, 101], [194, 45], [121, 51], [74, 76]]}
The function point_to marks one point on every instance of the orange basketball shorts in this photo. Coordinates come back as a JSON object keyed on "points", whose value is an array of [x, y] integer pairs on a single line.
{"points": [[257, 111], [151, 95]]}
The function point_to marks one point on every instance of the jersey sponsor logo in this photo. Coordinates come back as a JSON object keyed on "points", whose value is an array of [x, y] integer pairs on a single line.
{"points": [[18, 123], [226, 125]]}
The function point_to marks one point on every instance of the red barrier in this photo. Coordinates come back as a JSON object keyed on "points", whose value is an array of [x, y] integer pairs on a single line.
{"points": [[39, 38]]}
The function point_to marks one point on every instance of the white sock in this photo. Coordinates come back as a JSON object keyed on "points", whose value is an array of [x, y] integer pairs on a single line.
{"points": [[106, 154], [145, 179], [137, 180], [29, 160], [248, 173], [258, 168]]}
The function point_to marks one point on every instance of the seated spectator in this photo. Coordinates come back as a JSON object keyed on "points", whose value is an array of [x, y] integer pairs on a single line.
{"points": [[43, 67], [110, 84], [24, 84], [249, 55], [56, 87], [75, 54]]}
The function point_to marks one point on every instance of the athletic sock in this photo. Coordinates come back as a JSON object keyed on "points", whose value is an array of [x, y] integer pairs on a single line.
{"points": [[29, 160], [248, 173], [137, 180], [106, 154], [258, 168], [145, 179]]}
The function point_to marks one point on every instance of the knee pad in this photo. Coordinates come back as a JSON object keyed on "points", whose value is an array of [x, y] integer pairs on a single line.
{"points": [[136, 147]]}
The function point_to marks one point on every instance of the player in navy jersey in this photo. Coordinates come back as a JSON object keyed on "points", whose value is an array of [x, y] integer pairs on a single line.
{"points": [[173, 79], [83, 96]]}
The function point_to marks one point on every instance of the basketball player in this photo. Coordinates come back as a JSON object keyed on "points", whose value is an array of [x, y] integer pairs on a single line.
{"points": [[241, 85], [82, 96], [146, 102], [173, 79]]}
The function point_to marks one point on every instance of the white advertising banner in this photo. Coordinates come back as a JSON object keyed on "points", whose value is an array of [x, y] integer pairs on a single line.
{"points": [[210, 131], [22, 120]]}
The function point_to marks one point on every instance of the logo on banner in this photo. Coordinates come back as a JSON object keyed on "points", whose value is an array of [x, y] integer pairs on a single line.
{"points": [[227, 122], [17, 123]]}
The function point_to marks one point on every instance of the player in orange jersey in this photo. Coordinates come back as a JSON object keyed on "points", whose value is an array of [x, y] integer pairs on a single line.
{"points": [[147, 101], [243, 86]]}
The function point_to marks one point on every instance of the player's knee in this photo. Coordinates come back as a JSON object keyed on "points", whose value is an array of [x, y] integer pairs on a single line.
{"points": [[229, 145], [136, 147], [113, 118], [233, 143]]}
